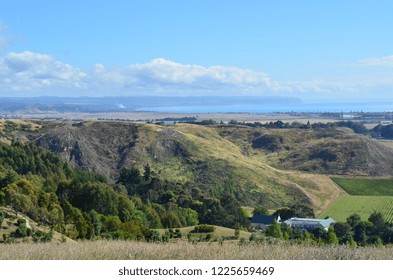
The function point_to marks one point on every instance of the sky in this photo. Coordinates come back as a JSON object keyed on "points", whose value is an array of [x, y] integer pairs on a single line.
{"points": [[314, 50]]}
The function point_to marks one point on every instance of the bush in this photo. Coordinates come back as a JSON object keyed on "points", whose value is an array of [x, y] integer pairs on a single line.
{"points": [[203, 229], [40, 236], [2, 215]]}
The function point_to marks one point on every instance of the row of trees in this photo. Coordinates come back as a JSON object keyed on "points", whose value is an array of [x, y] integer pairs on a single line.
{"points": [[355, 126]]}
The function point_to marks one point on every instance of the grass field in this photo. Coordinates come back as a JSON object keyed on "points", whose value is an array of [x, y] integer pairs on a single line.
{"points": [[366, 186], [347, 205], [183, 250], [216, 234]]}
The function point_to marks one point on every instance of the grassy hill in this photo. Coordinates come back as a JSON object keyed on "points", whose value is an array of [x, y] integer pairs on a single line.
{"points": [[37, 233], [180, 153], [323, 151]]}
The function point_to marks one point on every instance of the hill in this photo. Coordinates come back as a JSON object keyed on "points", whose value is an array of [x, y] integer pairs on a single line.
{"points": [[181, 153], [255, 164], [248, 160], [325, 151]]}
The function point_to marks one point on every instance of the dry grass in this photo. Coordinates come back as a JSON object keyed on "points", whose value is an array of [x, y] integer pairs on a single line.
{"points": [[322, 190], [387, 143], [182, 250], [217, 233]]}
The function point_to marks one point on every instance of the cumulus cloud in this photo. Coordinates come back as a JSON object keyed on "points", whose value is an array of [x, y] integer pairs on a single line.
{"points": [[28, 71]]}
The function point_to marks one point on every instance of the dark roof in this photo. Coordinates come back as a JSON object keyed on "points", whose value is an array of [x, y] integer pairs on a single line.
{"points": [[263, 219]]}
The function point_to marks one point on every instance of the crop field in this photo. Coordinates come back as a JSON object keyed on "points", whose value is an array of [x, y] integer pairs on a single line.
{"points": [[347, 205], [367, 187]]}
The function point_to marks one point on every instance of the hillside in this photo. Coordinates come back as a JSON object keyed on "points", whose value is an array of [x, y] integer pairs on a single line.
{"points": [[180, 153], [323, 151], [219, 157], [10, 229]]}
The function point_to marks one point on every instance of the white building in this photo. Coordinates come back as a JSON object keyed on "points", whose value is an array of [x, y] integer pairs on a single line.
{"points": [[309, 224]]}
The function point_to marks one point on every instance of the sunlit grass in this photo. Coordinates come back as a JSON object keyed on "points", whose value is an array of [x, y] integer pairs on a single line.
{"points": [[183, 250]]}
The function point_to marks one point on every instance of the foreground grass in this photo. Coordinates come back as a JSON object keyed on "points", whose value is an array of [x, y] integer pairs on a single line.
{"points": [[182, 250]]}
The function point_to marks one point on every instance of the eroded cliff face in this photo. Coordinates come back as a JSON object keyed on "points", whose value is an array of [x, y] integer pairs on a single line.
{"points": [[101, 147]]}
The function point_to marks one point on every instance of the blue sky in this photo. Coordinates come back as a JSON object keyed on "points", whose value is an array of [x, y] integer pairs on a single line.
{"points": [[308, 49]]}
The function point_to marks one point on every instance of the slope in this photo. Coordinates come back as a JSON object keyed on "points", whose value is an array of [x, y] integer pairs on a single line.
{"points": [[184, 152]]}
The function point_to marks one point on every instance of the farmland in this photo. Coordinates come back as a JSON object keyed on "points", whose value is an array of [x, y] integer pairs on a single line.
{"points": [[366, 186], [362, 205]]}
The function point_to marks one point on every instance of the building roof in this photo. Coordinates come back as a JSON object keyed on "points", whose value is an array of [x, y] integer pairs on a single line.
{"points": [[264, 219], [322, 222]]}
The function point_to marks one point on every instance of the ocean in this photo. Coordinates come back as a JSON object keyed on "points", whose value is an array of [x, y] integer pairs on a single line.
{"points": [[274, 108]]}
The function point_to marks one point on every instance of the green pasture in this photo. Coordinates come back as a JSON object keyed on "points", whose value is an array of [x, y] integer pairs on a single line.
{"points": [[347, 205], [366, 186]]}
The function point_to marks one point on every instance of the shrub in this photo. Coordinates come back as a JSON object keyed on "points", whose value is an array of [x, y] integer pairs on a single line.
{"points": [[203, 228], [40, 236], [2, 215]]}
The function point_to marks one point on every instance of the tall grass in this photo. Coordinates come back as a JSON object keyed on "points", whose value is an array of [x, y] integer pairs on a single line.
{"points": [[182, 250]]}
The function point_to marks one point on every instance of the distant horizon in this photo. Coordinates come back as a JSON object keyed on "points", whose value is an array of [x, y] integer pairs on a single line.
{"points": [[190, 104]]}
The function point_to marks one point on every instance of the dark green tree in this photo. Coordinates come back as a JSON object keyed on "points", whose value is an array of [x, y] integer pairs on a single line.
{"points": [[260, 210], [2, 216], [274, 230], [354, 220], [147, 172]]}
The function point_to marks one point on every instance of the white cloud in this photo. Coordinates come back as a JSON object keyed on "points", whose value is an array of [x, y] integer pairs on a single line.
{"points": [[40, 73], [29, 73], [377, 61]]}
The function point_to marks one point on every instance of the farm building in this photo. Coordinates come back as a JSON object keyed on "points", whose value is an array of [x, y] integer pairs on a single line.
{"points": [[304, 223], [263, 221]]}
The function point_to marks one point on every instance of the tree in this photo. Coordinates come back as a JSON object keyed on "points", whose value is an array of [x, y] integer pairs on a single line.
{"points": [[80, 223], [260, 210], [377, 220], [10, 177], [20, 202], [2, 216], [95, 220], [147, 172], [341, 229], [297, 210], [387, 131], [21, 231], [360, 234], [354, 220], [331, 237], [274, 230]]}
